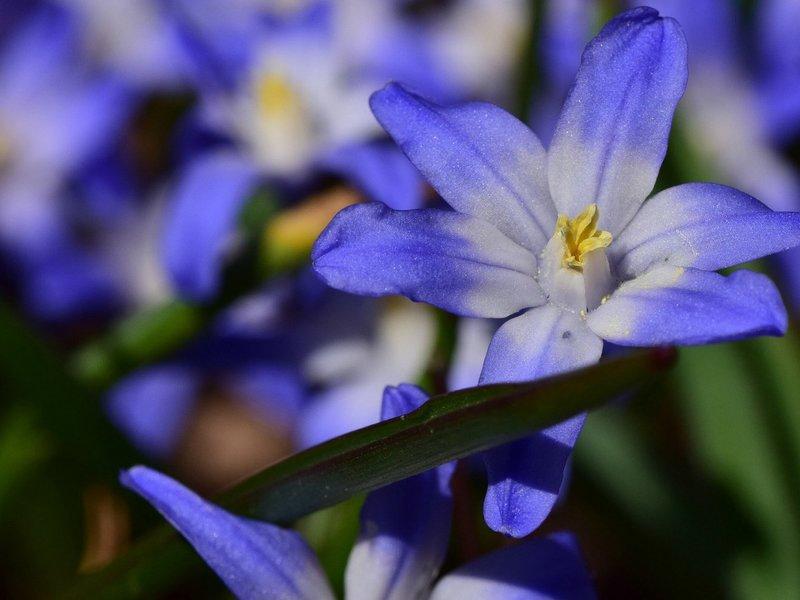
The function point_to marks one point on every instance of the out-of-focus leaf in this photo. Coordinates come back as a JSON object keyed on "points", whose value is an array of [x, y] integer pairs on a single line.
{"points": [[141, 338], [22, 447], [447, 427], [740, 403], [34, 376], [680, 536]]}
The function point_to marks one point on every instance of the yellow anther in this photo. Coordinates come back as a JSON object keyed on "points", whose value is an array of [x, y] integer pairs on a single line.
{"points": [[581, 236], [275, 95]]}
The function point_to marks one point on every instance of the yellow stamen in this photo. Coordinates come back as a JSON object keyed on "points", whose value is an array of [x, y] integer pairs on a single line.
{"points": [[581, 236], [275, 95]]}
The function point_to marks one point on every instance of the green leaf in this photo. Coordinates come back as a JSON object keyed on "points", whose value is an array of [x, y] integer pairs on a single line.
{"points": [[23, 447], [448, 427], [740, 402], [34, 377]]}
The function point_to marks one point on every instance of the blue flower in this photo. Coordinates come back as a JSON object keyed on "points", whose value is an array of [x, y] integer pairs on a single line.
{"points": [[405, 528], [133, 39], [561, 241], [285, 96], [58, 114]]}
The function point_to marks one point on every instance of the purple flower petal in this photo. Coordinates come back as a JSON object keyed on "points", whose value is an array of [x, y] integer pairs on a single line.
{"points": [[206, 203], [381, 171], [778, 31], [405, 526], [483, 161], [451, 260], [152, 407], [612, 133], [255, 560], [537, 569], [702, 225], [525, 476], [675, 305]]}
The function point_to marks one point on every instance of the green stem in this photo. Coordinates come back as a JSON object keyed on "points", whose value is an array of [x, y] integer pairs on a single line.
{"points": [[448, 427]]}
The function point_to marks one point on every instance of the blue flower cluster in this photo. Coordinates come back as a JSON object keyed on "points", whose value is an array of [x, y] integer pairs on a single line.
{"points": [[135, 137]]}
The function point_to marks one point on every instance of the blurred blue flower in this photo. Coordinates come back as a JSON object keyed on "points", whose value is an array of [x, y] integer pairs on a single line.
{"points": [[405, 528], [58, 115], [132, 39], [284, 95], [562, 241], [309, 360], [743, 101]]}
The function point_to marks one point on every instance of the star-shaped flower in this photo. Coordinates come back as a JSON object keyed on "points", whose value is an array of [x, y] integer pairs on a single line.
{"points": [[561, 242]]}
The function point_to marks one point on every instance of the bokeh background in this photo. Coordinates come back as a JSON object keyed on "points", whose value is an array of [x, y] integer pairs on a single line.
{"points": [[165, 166]]}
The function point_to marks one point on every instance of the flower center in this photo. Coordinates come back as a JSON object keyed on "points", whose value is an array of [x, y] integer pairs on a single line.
{"points": [[581, 236], [276, 97]]}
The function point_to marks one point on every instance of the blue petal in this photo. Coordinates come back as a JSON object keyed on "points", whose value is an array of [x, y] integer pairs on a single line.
{"points": [[205, 206], [407, 53], [472, 342], [710, 27], [57, 131], [277, 391], [451, 260], [482, 160], [359, 365], [525, 476], [255, 560], [382, 172], [339, 410], [217, 38], [37, 53], [778, 32], [69, 284], [401, 400], [612, 133], [566, 27], [788, 264], [537, 569], [702, 225], [674, 305], [405, 527], [222, 39], [152, 407]]}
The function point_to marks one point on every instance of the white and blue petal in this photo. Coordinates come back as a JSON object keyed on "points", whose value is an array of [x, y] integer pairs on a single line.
{"points": [[537, 569], [482, 160], [405, 526], [676, 305], [457, 262], [702, 225], [339, 410], [202, 220], [525, 476], [472, 341], [612, 134], [255, 560], [356, 372]]}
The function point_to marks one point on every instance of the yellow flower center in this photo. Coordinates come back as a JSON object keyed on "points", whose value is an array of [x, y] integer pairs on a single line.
{"points": [[275, 95], [581, 236]]}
